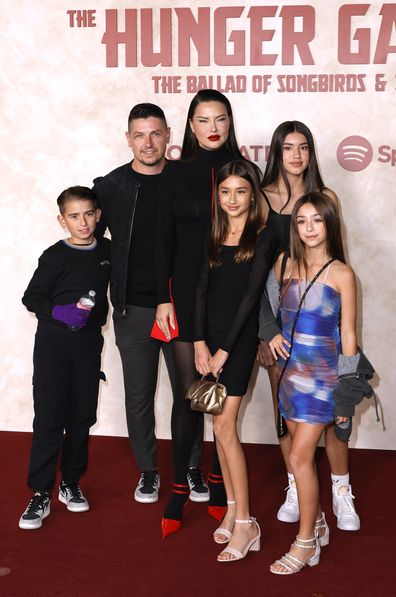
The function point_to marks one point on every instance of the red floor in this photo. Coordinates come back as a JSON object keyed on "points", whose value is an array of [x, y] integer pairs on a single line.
{"points": [[116, 549]]}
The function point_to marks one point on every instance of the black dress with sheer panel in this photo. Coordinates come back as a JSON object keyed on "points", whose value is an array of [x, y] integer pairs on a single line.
{"points": [[227, 309], [280, 225], [186, 195]]}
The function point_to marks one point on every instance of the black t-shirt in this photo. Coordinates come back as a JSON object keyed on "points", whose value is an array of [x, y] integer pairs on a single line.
{"points": [[141, 280]]}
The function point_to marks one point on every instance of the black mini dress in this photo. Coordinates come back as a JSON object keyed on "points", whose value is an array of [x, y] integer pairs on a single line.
{"points": [[228, 301]]}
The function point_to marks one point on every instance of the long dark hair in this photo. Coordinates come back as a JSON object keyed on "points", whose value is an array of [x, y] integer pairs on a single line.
{"points": [[275, 169], [327, 209], [190, 143], [254, 222]]}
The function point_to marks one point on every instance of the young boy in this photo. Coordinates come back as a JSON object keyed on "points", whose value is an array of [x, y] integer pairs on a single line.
{"points": [[66, 355]]}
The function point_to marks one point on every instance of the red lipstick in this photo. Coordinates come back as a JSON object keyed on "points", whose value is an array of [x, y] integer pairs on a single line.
{"points": [[214, 137]]}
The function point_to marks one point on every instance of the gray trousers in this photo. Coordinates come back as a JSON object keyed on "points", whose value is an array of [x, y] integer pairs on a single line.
{"points": [[140, 356]]}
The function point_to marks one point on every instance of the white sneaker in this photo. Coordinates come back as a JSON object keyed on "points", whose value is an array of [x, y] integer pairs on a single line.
{"points": [[289, 511], [344, 509], [71, 495], [199, 490], [147, 488], [38, 508]]}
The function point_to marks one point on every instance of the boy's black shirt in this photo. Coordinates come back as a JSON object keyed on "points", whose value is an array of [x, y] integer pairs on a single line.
{"points": [[63, 275]]}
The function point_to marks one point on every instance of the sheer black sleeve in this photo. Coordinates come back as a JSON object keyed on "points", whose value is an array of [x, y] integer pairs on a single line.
{"points": [[262, 261], [166, 231]]}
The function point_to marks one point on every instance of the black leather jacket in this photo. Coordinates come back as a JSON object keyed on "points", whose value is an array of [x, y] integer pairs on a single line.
{"points": [[117, 194]]}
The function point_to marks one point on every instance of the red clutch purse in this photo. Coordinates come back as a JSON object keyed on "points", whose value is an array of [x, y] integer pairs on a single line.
{"points": [[156, 331]]}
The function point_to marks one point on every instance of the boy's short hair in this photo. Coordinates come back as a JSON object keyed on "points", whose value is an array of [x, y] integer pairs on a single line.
{"points": [[145, 111], [77, 192]]}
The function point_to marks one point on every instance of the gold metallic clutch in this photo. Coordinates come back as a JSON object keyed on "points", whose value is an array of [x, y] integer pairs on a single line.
{"points": [[207, 396]]}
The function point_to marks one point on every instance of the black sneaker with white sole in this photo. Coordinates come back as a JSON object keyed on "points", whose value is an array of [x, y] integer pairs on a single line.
{"points": [[147, 488], [38, 509], [71, 495], [199, 491]]}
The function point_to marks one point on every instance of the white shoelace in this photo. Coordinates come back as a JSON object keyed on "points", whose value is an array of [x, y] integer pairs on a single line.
{"points": [[346, 502], [291, 492]]}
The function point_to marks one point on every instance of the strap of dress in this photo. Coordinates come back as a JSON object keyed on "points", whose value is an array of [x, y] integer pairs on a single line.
{"points": [[327, 272], [267, 200]]}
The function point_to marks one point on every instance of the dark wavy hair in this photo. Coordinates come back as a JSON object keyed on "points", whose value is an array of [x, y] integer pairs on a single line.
{"points": [[327, 209], [275, 168], [190, 143], [254, 222]]}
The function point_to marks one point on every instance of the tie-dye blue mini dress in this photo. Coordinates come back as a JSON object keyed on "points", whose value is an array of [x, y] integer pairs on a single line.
{"points": [[306, 388]]}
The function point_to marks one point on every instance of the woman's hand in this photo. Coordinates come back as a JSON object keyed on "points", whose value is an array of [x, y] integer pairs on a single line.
{"points": [[278, 346], [202, 357], [217, 362], [165, 317], [339, 420], [264, 354]]}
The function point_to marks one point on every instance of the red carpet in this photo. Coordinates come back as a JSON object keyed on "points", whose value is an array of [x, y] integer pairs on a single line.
{"points": [[116, 549]]}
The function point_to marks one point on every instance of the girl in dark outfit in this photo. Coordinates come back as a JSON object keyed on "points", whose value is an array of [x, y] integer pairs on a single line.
{"points": [[292, 171], [241, 252], [186, 193]]}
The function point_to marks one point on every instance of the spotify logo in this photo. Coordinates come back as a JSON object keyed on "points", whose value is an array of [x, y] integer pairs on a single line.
{"points": [[354, 153]]}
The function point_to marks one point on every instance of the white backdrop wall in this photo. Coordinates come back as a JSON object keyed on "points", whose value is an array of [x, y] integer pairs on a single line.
{"points": [[64, 113]]}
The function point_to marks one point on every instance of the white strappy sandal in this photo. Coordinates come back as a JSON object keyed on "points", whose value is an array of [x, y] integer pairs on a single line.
{"points": [[291, 564], [252, 545], [222, 531], [322, 524]]}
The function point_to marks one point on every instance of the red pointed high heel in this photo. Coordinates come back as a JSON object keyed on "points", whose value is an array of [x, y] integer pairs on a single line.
{"points": [[217, 512], [170, 526]]}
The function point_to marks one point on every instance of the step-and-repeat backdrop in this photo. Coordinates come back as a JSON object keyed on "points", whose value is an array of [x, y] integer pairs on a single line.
{"points": [[70, 73]]}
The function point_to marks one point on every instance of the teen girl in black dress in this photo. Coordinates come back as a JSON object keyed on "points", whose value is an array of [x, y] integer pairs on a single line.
{"points": [[241, 252]]}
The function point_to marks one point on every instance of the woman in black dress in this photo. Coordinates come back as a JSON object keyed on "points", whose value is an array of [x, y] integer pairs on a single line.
{"points": [[186, 197], [292, 171], [241, 252]]}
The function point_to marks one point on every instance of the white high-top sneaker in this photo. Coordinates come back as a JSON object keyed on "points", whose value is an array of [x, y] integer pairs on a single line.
{"points": [[344, 509], [289, 511]]}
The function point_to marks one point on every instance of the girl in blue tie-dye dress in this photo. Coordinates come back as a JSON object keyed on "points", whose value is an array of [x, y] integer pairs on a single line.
{"points": [[325, 327]]}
